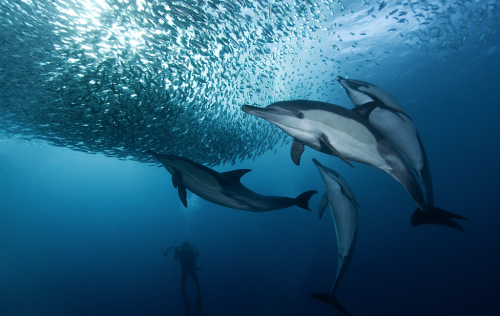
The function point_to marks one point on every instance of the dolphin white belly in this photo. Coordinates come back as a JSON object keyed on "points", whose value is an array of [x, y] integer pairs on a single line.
{"points": [[351, 139]]}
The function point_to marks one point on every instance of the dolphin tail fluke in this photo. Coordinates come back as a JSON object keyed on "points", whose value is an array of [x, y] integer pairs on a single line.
{"points": [[303, 199], [332, 300], [437, 216]]}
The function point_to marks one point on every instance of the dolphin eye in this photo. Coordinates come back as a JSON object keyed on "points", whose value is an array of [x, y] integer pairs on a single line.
{"points": [[300, 115]]}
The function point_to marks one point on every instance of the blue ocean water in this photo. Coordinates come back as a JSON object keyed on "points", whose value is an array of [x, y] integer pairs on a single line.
{"points": [[84, 234]]}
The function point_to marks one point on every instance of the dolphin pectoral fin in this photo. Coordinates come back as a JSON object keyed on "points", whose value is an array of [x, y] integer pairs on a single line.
{"points": [[302, 200], [437, 216], [325, 141], [332, 300], [296, 151], [322, 205], [236, 175], [176, 179], [182, 194]]}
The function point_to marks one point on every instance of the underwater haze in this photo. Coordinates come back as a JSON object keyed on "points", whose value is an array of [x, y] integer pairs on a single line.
{"points": [[86, 87]]}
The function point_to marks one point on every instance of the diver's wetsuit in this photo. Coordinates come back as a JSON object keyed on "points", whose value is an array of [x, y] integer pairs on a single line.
{"points": [[187, 258]]}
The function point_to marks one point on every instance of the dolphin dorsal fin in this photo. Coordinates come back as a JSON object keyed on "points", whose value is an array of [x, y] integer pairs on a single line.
{"points": [[235, 175], [322, 205]]}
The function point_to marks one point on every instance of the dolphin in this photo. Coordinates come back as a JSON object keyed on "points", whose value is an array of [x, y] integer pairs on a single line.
{"points": [[385, 114], [338, 131], [223, 188], [343, 206]]}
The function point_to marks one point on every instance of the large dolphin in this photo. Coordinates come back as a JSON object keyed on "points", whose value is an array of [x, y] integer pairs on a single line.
{"points": [[387, 116], [343, 206], [223, 188], [335, 130]]}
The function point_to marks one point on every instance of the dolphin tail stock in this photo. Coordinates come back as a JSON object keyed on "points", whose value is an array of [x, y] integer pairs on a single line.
{"points": [[303, 199], [425, 175], [332, 300], [427, 181], [434, 215]]}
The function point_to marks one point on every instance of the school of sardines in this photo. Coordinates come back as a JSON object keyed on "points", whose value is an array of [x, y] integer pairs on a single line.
{"points": [[164, 81], [117, 77]]}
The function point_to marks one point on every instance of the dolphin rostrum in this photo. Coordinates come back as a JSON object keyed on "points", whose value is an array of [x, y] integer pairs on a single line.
{"points": [[343, 206], [223, 188], [338, 131], [385, 114]]}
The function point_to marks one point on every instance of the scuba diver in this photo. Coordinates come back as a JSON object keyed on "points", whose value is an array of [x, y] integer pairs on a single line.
{"points": [[187, 258]]}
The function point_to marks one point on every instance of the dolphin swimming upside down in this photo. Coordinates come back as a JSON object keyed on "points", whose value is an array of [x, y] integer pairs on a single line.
{"points": [[223, 188]]}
